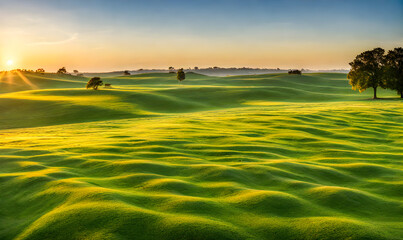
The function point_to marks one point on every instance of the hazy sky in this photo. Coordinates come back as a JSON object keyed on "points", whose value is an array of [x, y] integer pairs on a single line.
{"points": [[104, 35]]}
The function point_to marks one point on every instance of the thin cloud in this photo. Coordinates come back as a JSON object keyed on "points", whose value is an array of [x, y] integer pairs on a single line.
{"points": [[73, 37]]}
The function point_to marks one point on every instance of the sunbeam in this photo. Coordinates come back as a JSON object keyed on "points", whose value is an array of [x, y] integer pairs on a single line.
{"points": [[26, 80], [10, 79], [1, 77]]}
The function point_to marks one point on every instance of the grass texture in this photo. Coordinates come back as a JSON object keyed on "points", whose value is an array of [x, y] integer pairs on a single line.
{"points": [[242, 157]]}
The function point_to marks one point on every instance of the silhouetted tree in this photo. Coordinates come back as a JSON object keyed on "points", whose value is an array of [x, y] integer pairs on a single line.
{"points": [[75, 71], [298, 72], [394, 70], [62, 71], [171, 70], [181, 75], [196, 68], [367, 70], [126, 73], [94, 83], [40, 70]]}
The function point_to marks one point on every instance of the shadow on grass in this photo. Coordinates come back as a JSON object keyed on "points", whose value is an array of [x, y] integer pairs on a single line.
{"points": [[382, 99]]}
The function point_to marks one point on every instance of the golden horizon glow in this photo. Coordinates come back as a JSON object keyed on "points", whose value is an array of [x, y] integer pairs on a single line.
{"points": [[221, 34]]}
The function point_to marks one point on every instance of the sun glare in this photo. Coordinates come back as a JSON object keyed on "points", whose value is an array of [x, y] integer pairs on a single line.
{"points": [[10, 62]]}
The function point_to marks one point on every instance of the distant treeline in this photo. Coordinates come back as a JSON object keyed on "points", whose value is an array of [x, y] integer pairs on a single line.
{"points": [[214, 71]]}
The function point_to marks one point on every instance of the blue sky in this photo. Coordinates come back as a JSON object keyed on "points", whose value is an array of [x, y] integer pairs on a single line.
{"points": [[104, 35]]}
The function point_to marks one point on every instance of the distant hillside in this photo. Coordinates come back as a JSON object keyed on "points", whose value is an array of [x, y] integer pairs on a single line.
{"points": [[220, 72], [32, 99]]}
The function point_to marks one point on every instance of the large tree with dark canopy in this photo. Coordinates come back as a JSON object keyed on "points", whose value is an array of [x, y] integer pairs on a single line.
{"points": [[94, 83], [367, 70], [394, 70]]}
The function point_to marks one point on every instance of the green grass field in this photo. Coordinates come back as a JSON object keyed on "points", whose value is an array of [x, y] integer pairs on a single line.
{"points": [[244, 157]]}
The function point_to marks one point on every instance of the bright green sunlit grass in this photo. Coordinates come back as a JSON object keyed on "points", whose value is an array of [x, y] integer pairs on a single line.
{"points": [[245, 157]]}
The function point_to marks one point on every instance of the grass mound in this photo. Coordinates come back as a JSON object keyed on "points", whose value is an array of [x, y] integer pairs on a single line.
{"points": [[243, 157]]}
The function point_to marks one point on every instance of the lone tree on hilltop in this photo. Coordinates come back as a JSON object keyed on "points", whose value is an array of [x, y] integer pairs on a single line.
{"points": [[394, 70], [62, 71], [94, 83], [181, 75], [171, 70], [126, 73], [367, 71], [297, 72]]}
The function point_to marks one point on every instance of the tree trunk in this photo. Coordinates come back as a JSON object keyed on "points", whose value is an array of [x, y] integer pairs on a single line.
{"points": [[375, 97], [401, 94]]}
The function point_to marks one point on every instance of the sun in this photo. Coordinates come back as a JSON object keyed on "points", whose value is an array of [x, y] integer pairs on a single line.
{"points": [[10, 62]]}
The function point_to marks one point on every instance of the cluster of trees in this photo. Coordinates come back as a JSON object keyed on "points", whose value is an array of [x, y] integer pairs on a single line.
{"points": [[22, 70], [40, 70], [172, 69], [64, 71], [374, 69]]}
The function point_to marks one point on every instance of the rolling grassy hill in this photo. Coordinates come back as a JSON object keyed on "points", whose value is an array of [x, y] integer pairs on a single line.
{"points": [[245, 157]]}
